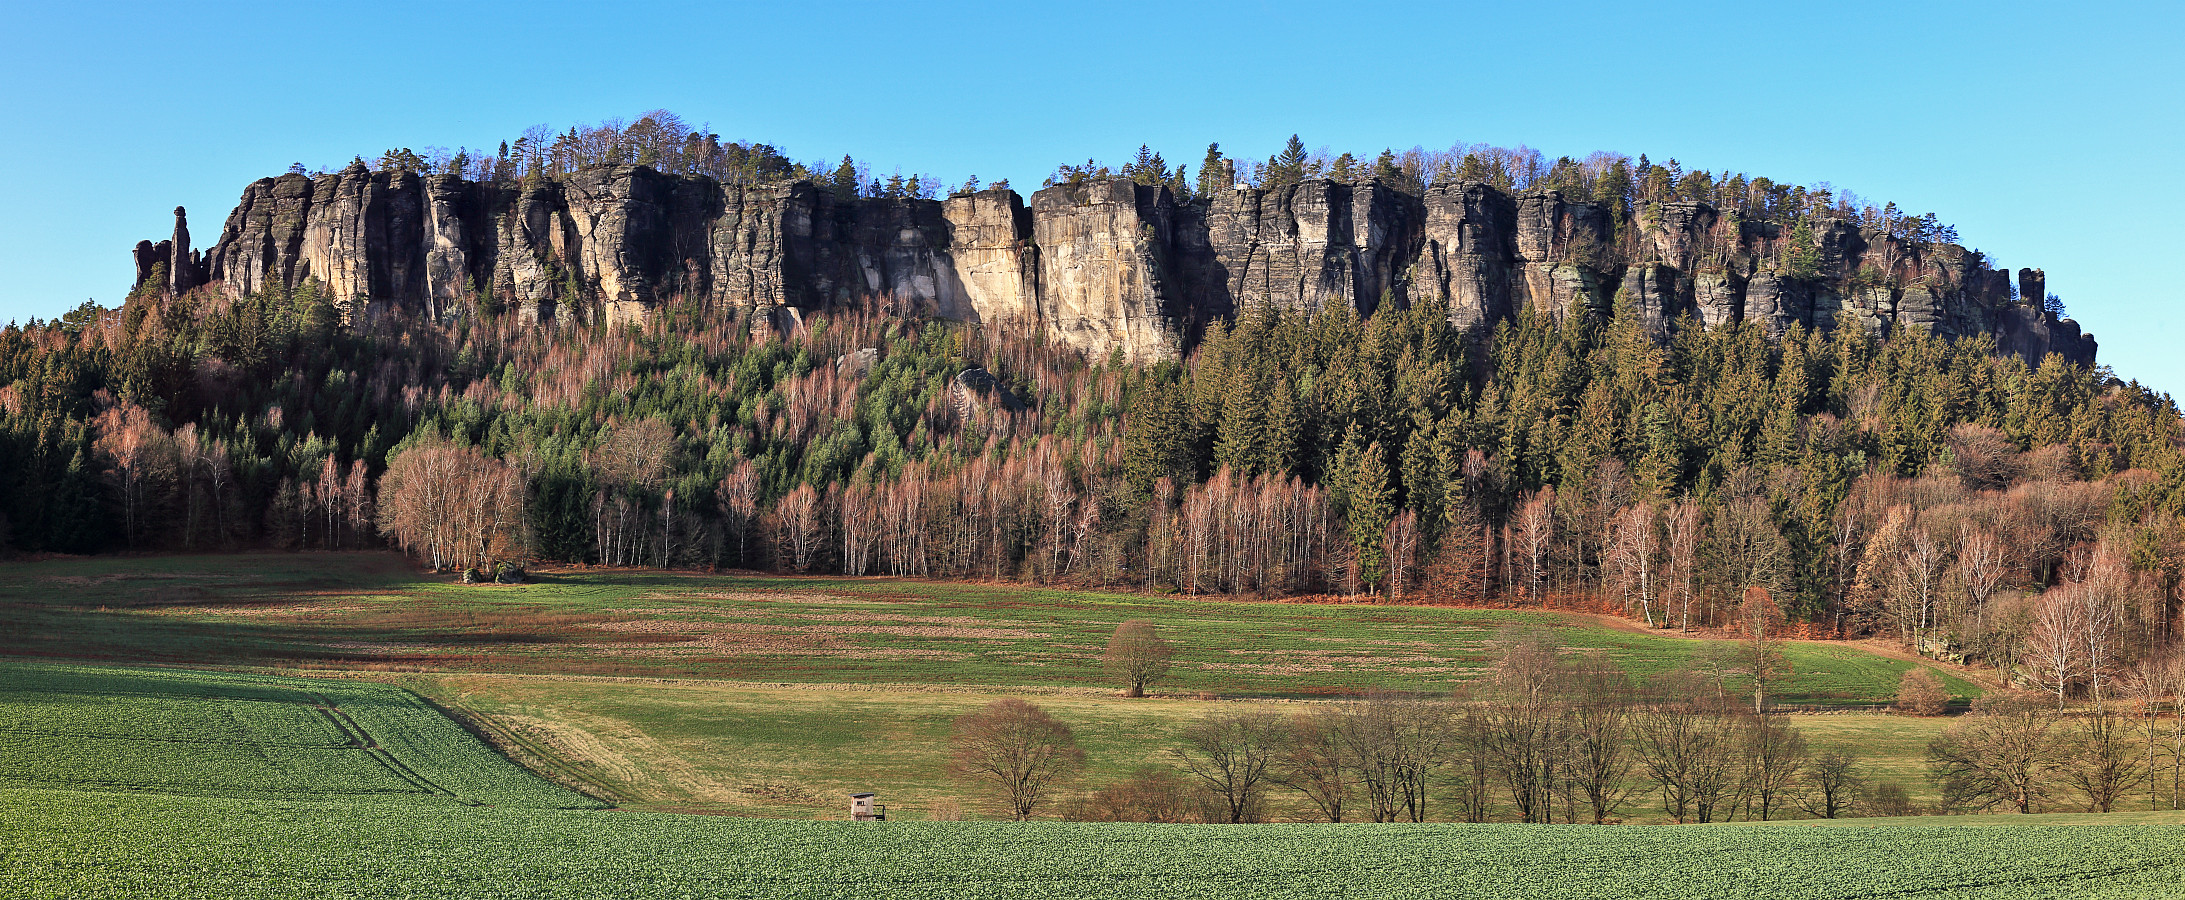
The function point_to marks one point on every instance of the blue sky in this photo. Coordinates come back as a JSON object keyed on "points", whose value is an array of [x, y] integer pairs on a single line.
{"points": [[2048, 133]]}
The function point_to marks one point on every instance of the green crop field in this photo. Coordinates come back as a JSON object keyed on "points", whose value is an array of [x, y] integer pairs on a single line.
{"points": [[75, 845], [192, 732]]}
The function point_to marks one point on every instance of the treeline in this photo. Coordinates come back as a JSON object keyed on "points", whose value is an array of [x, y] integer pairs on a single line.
{"points": [[659, 139], [1626, 186], [1547, 735], [1917, 487]]}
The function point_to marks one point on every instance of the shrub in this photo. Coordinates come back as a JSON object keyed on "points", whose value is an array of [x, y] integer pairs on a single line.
{"points": [[1920, 693], [1151, 794]]}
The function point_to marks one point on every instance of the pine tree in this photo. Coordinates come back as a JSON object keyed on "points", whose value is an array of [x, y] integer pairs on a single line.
{"points": [[1385, 168]]}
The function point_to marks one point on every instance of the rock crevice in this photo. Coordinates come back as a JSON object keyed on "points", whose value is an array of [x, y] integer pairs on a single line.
{"points": [[1104, 265]]}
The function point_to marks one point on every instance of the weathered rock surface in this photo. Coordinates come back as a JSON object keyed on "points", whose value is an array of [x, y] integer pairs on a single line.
{"points": [[1103, 266], [990, 245]]}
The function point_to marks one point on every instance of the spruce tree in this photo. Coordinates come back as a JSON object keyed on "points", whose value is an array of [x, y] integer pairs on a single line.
{"points": [[1372, 505], [1210, 171]]}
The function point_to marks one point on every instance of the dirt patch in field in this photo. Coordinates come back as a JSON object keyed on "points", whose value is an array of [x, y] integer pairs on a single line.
{"points": [[1310, 662], [756, 597]]}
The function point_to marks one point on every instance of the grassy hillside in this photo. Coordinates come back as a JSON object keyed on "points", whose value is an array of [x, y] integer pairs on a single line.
{"points": [[93, 846], [797, 750], [188, 732], [366, 611], [776, 696]]}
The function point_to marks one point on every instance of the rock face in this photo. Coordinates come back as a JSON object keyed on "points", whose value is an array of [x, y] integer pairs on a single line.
{"points": [[1104, 265], [1299, 247], [996, 261]]}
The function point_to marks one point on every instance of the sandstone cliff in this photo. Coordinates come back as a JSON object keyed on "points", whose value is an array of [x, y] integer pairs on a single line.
{"points": [[1102, 265]]}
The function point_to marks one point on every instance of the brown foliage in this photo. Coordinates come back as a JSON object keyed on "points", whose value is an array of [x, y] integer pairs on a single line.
{"points": [[1137, 655], [1920, 693], [452, 506], [1151, 794]]}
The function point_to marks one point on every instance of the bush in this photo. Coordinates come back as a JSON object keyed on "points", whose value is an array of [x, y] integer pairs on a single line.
{"points": [[1920, 693], [1889, 799], [1151, 794]]}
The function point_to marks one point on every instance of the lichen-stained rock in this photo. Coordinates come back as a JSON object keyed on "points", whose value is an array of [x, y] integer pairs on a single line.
{"points": [[449, 219], [1559, 244], [1103, 287], [1467, 252], [898, 253], [1718, 295], [1298, 247], [990, 246], [1677, 232], [364, 239], [982, 402], [1386, 230], [1776, 302], [747, 242], [1289, 248], [619, 217], [262, 242], [532, 268], [1649, 292]]}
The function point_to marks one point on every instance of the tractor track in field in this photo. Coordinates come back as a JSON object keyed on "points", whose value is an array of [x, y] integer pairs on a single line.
{"points": [[363, 740]]}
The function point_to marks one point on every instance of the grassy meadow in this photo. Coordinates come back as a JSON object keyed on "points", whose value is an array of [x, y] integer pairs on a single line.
{"points": [[159, 738], [370, 612]]}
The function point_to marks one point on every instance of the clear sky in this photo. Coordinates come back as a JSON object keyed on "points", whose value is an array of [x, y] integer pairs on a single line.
{"points": [[2048, 133]]}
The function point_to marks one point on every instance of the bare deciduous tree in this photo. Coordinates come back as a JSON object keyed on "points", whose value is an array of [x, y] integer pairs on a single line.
{"points": [[1234, 757], [2002, 755], [1523, 711], [1832, 782], [1760, 654], [2099, 758], [1688, 748], [1599, 759], [1137, 655], [1632, 551], [452, 506], [1398, 742], [800, 519], [1533, 531], [1016, 752], [1682, 575], [1151, 794], [1314, 762], [1775, 757]]}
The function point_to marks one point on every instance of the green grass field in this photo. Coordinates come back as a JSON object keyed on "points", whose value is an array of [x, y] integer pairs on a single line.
{"points": [[796, 750], [87, 846], [366, 612]]}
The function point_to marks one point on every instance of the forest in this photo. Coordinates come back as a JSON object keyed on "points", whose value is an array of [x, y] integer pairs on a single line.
{"points": [[1969, 504]]}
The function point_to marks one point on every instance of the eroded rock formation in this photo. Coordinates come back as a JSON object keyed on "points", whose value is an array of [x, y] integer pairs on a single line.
{"points": [[1101, 265]]}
